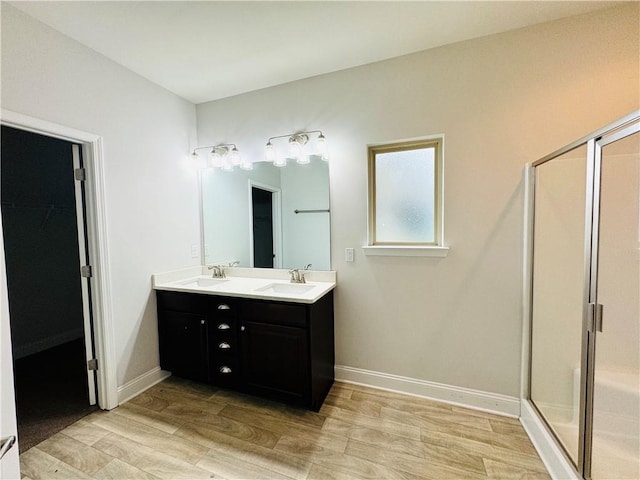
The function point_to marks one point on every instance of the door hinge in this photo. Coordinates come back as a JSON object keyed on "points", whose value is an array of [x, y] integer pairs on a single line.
{"points": [[86, 271], [92, 364], [80, 174]]}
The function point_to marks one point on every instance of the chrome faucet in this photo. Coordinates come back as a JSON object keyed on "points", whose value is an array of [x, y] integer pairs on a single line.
{"points": [[297, 276], [218, 271]]}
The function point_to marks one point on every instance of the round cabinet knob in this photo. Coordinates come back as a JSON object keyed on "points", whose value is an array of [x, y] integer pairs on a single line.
{"points": [[242, 328], [201, 322], [225, 369], [224, 346], [223, 326]]}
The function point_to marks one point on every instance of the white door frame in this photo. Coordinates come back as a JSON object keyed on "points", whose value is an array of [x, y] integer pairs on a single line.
{"points": [[10, 463], [277, 221], [84, 281], [92, 154]]}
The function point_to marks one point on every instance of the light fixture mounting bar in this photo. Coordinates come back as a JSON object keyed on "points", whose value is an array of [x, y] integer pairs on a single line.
{"points": [[220, 145], [306, 132]]}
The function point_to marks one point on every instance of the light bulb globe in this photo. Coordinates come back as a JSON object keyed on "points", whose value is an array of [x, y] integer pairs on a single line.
{"points": [[216, 160], [227, 166], [295, 149], [235, 157], [195, 160], [269, 152], [321, 144]]}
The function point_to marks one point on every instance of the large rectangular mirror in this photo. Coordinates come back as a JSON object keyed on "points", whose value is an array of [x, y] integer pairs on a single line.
{"points": [[268, 217]]}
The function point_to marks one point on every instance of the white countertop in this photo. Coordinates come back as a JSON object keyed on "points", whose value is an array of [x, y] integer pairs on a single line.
{"points": [[261, 283]]}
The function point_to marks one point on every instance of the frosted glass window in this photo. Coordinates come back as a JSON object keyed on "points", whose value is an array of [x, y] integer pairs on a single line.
{"points": [[403, 189]]}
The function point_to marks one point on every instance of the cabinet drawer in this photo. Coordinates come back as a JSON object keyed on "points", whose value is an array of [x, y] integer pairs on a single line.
{"points": [[226, 346], [222, 307], [182, 302], [277, 313], [223, 327], [224, 371]]}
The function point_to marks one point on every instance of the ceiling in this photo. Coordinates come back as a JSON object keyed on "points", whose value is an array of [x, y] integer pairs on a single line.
{"points": [[208, 50]]}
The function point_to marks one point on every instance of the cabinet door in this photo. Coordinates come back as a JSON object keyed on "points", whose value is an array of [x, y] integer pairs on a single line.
{"points": [[275, 360], [183, 344]]}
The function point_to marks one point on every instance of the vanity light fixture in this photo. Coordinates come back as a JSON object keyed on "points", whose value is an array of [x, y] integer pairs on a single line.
{"points": [[225, 156], [298, 145]]}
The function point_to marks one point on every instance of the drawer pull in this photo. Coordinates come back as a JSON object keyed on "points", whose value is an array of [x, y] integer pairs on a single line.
{"points": [[225, 369], [224, 346], [224, 306], [223, 326]]}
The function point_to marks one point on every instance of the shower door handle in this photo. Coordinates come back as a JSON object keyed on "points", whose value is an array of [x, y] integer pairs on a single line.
{"points": [[598, 318], [595, 317]]}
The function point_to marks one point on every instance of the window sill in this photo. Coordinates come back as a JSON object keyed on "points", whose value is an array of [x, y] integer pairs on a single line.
{"points": [[405, 251]]}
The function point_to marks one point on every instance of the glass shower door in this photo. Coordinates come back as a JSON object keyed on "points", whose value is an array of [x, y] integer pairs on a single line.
{"points": [[558, 294], [615, 432]]}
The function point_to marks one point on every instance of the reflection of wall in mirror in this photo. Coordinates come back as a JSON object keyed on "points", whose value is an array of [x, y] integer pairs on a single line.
{"points": [[306, 236], [225, 212]]}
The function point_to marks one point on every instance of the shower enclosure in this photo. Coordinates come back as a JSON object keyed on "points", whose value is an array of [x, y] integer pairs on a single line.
{"points": [[584, 299]]}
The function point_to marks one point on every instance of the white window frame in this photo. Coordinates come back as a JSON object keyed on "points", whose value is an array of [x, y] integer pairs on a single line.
{"points": [[432, 249]]}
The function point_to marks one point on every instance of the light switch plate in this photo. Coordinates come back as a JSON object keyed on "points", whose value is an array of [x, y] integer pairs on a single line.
{"points": [[195, 251], [348, 255]]}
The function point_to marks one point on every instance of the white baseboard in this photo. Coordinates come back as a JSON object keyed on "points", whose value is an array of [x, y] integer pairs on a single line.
{"points": [[465, 397], [558, 465], [140, 384], [20, 351]]}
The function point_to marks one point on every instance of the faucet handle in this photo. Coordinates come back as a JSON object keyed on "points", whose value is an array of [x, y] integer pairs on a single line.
{"points": [[218, 271], [295, 275], [308, 266], [235, 263]]}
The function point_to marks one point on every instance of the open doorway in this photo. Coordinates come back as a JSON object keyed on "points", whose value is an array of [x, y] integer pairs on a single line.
{"points": [[263, 254], [265, 225], [49, 300]]}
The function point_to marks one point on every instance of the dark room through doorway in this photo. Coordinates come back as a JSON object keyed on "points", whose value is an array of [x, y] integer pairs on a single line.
{"points": [[49, 290]]}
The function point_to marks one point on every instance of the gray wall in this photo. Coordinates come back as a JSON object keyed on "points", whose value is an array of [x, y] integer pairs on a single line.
{"points": [[501, 101], [147, 132]]}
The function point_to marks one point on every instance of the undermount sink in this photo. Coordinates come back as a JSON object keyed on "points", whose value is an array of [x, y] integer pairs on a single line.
{"points": [[288, 288], [203, 282]]}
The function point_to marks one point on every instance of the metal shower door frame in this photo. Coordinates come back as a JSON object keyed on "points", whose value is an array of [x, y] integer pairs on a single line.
{"points": [[591, 320], [593, 316]]}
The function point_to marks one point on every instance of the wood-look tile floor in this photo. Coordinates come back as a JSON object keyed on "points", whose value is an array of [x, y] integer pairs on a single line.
{"points": [[184, 430]]}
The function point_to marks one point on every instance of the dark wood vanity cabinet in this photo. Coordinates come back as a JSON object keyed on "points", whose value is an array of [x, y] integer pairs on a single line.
{"points": [[279, 350], [182, 345], [182, 335]]}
